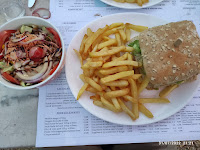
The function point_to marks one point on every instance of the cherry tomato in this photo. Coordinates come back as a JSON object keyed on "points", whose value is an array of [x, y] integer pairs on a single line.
{"points": [[54, 68], [8, 77], [36, 53], [56, 36], [4, 35]]}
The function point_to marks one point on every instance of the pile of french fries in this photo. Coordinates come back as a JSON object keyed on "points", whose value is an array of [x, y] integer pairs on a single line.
{"points": [[109, 71], [139, 2]]}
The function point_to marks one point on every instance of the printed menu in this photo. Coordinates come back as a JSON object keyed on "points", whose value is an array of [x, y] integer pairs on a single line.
{"points": [[62, 121]]}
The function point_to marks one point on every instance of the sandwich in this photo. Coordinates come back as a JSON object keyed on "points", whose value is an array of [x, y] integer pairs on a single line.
{"points": [[169, 54]]}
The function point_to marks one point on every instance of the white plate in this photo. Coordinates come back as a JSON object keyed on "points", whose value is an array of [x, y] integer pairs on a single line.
{"points": [[179, 98], [131, 5]]}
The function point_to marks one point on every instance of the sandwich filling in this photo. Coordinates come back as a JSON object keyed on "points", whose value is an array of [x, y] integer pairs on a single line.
{"points": [[138, 55]]}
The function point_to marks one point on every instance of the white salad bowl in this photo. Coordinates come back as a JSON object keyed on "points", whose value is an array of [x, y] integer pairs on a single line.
{"points": [[27, 20]]}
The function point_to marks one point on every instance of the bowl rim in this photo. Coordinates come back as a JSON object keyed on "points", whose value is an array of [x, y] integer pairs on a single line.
{"points": [[62, 60]]}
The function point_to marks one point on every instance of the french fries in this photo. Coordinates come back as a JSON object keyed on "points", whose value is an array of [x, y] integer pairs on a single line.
{"points": [[117, 37], [109, 32], [93, 84], [136, 76], [113, 70], [92, 64], [82, 77], [89, 32], [128, 34], [92, 38], [95, 97], [123, 57], [82, 46], [135, 109], [120, 63], [107, 53], [129, 98], [91, 89], [144, 110], [108, 105], [130, 58], [139, 2], [100, 104], [79, 56], [136, 27], [114, 25], [107, 43], [118, 83], [114, 101], [122, 34], [166, 91], [128, 49], [116, 76], [109, 70], [143, 85], [117, 93], [133, 87], [126, 109], [131, 1], [82, 90], [154, 100]]}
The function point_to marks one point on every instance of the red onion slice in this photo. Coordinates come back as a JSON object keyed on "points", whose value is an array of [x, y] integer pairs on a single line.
{"points": [[18, 40], [5, 48], [20, 54], [31, 78], [36, 13], [52, 43], [17, 65], [44, 76], [26, 62], [39, 38]]}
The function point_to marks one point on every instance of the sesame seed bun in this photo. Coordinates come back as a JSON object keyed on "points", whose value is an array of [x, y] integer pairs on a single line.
{"points": [[171, 53]]}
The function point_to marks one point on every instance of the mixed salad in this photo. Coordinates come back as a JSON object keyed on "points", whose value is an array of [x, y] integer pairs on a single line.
{"points": [[30, 54]]}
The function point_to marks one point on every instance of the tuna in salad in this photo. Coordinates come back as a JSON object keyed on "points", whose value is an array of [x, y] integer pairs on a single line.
{"points": [[30, 54]]}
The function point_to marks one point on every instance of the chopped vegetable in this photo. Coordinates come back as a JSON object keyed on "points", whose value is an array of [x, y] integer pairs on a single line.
{"points": [[56, 36], [25, 77], [4, 35], [22, 83], [52, 71], [136, 47], [3, 65], [49, 35], [34, 26], [26, 29], [8, 77], [179, 82], [36, 53], [44, 29], [8, 69], [137, 54]]}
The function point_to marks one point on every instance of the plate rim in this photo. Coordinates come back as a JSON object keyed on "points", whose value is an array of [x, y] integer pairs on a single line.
{"points": [[136, 124], [124, 7]]}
